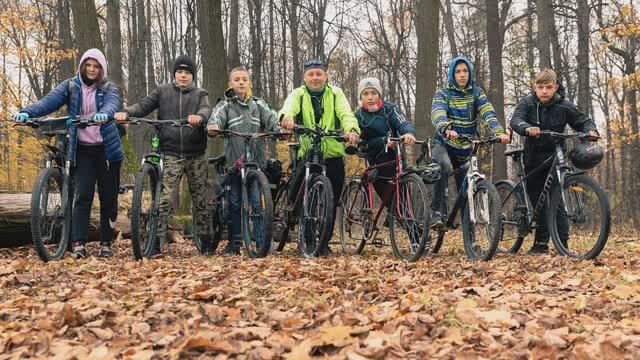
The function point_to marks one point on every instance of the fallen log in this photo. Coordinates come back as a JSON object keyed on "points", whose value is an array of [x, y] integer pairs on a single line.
{"points": [[15, 224]]}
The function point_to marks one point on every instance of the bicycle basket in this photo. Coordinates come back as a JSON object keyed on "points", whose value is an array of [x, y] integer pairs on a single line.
{"points": [[53, 127]]}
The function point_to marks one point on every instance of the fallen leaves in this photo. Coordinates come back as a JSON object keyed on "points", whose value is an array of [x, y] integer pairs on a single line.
{"points": [[182, 305]]}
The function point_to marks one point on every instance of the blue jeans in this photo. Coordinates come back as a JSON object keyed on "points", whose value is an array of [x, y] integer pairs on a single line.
{"points": [[235, 202]]}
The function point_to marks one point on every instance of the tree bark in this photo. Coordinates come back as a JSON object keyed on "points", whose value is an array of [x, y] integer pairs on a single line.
{"points": [[232, 36], [584, 92], [255, 28], [85, 21], [447, 17], [114, 42], [496, 93], [427, 26], [545, 27], [65, 69], [295, 44]]}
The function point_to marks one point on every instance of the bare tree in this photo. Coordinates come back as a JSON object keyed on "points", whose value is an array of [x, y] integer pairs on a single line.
{"points": [[85, 21], [427, 25]]}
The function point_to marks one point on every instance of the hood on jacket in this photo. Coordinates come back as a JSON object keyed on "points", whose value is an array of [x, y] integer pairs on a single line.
{"points": [[230, 94], [96, 55], [452, 66]]}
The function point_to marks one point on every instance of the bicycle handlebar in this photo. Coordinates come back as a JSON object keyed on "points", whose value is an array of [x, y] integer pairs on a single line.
{"points": [[170, 122], [579, 135], [76, 120], [247, 135], [474, 140]]}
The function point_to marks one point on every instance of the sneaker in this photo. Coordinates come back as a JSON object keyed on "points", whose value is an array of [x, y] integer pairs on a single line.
{"points": [[105, 250], [539, 248], [79, 251], [436, 221], [206, 247]]}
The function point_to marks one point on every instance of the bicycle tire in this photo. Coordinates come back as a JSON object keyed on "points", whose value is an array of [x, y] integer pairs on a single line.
{"points": [[494, 231], [280, 220], [59, 226], [143, 242], [605, 220], [325, 212], [418, 206], [512, 217], [256, 249], [350, 213]]}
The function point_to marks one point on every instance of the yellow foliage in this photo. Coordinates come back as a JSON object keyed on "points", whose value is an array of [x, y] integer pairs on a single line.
{"points": [[22, 156]]}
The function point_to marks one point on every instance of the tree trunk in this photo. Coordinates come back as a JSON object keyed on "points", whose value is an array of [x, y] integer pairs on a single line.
{"points": [[496, 93], [85, 22], [66, 68], [255, 28], [142, 49], [214, 67], [530, 42], [447, 17], [295, 44], [545, 27], [114, 42], [584, 92], [151, 76], [232, 36], [427, 26]]}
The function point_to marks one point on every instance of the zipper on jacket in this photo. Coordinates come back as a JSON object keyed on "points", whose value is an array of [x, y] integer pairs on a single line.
{"points": [[181, 154]]}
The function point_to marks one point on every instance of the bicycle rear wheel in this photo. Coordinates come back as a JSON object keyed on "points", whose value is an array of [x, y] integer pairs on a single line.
{"points": [[514, 217], [50, 222], [411, 214], [315, 226], [143, 213], [256, 214], [481, 238], [354, 217], [583, 231]]}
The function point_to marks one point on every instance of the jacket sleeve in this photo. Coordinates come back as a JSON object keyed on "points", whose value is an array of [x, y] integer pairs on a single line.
{"points": [[111, 101], [204, 110], [51, 102], [439, 110], [219, 115], [343, 110], [291, 106], [519, 122], [399, 122], [145, 106], [268, 117], [488, 114], [577, 119]]}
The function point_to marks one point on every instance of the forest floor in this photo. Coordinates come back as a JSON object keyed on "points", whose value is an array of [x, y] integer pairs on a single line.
{"points": [[182, 305]]}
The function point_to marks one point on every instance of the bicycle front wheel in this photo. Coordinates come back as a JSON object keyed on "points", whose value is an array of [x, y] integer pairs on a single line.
{"points": [[280, 220], [411, 214], [482, 234], [50, 218], [514, 217], [317, 217], [144, 212], [354, 218], [256, 214], [581, 229]]}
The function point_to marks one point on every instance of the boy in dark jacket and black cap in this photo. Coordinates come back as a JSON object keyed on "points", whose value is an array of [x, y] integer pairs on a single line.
{"points": [[184, 148], [545, 109]]}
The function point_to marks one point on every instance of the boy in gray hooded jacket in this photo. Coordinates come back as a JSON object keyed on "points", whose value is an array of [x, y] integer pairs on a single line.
{"points": [[242, 112]]}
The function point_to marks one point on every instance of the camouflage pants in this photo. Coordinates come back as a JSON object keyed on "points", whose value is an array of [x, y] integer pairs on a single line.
{"points": [[196, 171]]}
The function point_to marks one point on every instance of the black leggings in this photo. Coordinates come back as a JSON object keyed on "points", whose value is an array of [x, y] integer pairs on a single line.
{"points": [[91, 168]]}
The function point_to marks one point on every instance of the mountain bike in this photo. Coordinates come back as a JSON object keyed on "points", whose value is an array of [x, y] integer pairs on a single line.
{"points": [[578, 212], [256, 209], [52, 194], [480, 204], [406, 199]]}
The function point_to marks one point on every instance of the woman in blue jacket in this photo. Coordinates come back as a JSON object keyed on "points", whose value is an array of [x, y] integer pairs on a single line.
{"points": [[95, 151]]}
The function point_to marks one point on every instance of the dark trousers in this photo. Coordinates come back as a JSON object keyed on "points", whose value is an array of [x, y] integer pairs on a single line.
{"points": [[91, 168], [448, 164], [535, 185]]}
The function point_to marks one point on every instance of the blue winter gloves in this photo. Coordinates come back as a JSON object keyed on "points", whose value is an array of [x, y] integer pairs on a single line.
{"points": [[70, 121], [101, 117], [22, 117]]}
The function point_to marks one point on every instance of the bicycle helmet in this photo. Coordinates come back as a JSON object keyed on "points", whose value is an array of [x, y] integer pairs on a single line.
{"points": [[430, 174], [586, 155]]}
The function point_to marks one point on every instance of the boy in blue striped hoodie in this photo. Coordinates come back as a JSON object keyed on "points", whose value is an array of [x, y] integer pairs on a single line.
{"points": [[459, 104]]}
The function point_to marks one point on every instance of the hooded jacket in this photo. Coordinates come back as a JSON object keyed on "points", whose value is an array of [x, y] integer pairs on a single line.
{"points": [[554, 115], [331, 148], [251, 115], [107, 101], [174, 103], [374, 127], [462, 107]]}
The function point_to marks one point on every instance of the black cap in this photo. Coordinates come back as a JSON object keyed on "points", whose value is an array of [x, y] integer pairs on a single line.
{"points": [[184, 62], [314, 64]]}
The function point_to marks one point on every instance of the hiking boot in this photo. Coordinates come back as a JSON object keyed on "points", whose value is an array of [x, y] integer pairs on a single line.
{"points": [[105, 250], [436, 221], [539, 248], [206, 247], [79, 251]]}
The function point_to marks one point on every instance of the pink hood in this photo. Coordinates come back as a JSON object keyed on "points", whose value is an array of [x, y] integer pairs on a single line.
{"points": [[98, 56]]}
